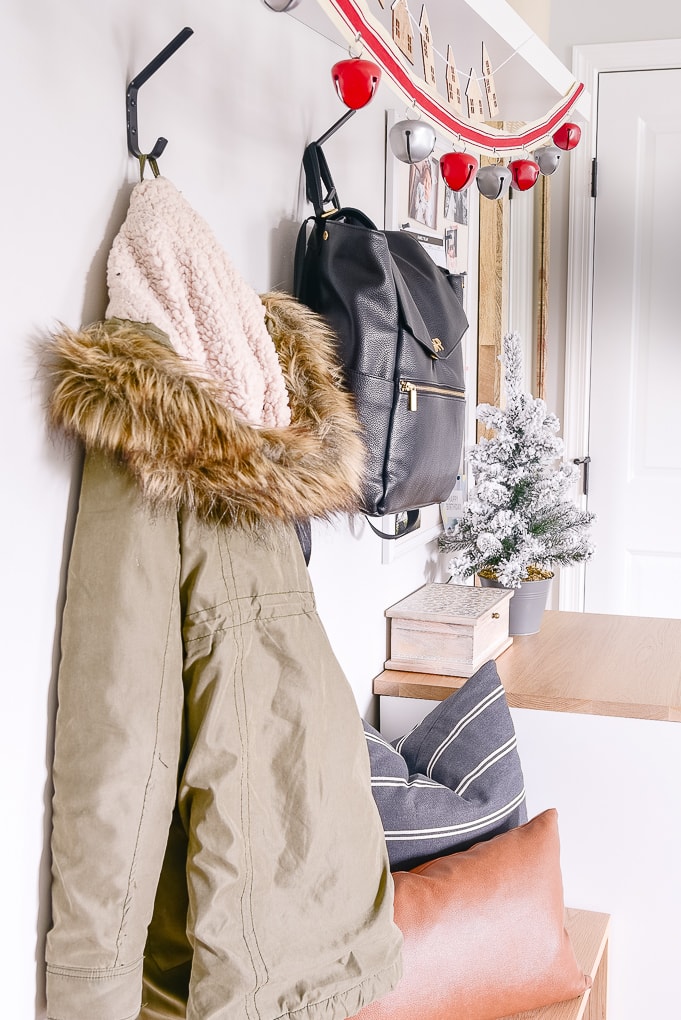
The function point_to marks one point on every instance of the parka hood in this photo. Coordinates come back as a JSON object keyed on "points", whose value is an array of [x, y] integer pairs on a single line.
{"points": [[121, 388], [166, 266]]}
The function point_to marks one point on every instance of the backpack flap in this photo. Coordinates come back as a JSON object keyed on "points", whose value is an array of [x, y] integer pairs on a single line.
{"points": [[426, 429], [429, 298]]}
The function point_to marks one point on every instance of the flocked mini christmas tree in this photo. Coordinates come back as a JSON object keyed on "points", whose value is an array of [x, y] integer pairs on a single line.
{"points": [[518, 522]]}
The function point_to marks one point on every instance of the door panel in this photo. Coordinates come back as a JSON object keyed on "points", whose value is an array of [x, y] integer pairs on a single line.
{"points": [[635, 437]]}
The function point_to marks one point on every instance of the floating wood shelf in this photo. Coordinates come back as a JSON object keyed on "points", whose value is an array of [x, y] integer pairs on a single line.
{"points": [[593, 664]]}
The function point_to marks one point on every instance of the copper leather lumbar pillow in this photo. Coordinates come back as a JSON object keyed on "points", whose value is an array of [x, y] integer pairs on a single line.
{"points": [[484, 933]]}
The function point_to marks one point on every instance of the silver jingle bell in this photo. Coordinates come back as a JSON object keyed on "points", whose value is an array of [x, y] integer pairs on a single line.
{"points": [[412, 140], [493, 181], [548, 158], [280, 6]]}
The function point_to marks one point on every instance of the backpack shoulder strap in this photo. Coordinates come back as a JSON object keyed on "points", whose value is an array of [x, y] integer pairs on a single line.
{"points": [[299, 258], [318, 179]]}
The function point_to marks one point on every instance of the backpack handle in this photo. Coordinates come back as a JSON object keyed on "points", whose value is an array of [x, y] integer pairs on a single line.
{"points": [[317, 179]]}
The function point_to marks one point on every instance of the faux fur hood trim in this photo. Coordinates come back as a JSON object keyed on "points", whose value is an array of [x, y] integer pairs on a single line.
{"points": [[120, 388]]}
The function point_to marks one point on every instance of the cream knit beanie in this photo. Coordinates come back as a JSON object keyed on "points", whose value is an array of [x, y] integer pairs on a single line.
{"points": [[167, 268]]}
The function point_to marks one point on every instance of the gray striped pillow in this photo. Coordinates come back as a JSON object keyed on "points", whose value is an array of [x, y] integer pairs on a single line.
{"points": [[452, 781]]}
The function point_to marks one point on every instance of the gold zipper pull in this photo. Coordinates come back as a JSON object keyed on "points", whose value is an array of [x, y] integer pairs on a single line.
{"points": [[409, 388]]}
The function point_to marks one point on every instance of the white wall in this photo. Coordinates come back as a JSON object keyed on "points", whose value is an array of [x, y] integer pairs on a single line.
{"points": [[582, 22], [615, 785], [237, 102]]}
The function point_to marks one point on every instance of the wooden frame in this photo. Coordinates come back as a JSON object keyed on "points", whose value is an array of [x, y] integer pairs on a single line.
{"points": [[514, 272], [493, 265], [542, 233]]}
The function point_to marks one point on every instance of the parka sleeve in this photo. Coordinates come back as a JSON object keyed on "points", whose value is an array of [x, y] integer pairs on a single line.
{"points": [[117, 745]]}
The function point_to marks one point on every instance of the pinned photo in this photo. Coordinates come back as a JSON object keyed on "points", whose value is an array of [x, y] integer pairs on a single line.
{"points": [[423, 188], [456, 206]]}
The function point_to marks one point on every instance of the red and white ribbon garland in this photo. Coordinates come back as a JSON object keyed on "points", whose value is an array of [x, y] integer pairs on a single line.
{"points": [[354, 20]]}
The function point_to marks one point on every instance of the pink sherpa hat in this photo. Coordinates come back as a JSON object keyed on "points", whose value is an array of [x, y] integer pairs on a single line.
{"points": [[167, 268]]}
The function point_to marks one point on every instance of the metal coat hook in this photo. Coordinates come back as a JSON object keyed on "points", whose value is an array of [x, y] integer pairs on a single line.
{"points": [[131, 102], [334, 127]]}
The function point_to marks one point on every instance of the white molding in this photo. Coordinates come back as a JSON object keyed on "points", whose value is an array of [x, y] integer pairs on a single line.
{"points": [[588, 63]]}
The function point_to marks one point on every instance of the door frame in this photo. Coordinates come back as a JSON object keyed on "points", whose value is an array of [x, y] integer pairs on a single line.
{"points": [[587, 64]]}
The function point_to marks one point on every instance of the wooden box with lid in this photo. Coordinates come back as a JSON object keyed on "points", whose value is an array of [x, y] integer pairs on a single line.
{"points": [[451, 629]]}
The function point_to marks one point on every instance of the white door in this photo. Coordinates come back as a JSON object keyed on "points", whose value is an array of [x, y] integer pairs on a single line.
{"points": [[635, 401]]}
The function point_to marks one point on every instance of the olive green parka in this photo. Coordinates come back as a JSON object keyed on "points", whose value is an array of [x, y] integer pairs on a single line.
{"points": [[217, 853]]}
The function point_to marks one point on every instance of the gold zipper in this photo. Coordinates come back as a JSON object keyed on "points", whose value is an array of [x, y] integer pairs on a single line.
{"points": [[408, 387], [413, 390]]}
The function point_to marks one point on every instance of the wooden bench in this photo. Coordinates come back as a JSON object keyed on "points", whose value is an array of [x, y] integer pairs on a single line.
{"points": [[589, 935]]}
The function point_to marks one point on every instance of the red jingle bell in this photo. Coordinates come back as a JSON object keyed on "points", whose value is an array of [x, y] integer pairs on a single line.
{"points": [[567, 136], [458, 169], [356, 81], [524, 174]]}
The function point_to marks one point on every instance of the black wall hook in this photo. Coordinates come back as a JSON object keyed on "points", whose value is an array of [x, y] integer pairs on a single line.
{"points": [[334, 127], [133, 88]]}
